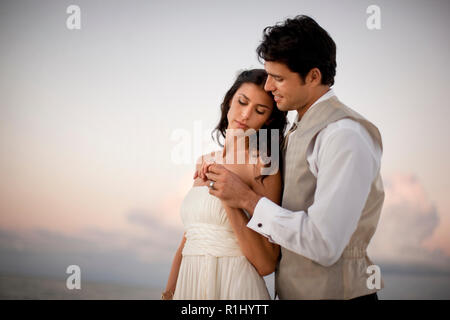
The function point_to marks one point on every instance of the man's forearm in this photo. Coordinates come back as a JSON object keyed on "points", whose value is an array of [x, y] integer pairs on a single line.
{"points": [[250, 200]]}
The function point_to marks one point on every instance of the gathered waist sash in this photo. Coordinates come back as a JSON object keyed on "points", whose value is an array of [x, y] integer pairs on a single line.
{"points": [[211, 239]]}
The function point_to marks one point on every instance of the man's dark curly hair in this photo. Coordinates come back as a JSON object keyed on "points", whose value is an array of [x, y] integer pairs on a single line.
{"points": [[302, 45]]}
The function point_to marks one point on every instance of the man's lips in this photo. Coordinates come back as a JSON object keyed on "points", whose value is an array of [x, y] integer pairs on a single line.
{"points": [[277, 97]]}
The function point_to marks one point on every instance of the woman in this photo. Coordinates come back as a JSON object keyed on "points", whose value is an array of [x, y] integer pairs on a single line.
{"points": [[219, 257]]}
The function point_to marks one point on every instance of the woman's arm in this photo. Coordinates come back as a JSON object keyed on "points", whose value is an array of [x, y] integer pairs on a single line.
{"points": [[257, 248], [173, 276]]}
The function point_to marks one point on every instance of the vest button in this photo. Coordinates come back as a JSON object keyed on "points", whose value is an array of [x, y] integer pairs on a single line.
{"points": [[260, 225]]}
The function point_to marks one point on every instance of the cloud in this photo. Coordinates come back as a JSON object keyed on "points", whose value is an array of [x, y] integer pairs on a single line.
{"points": [[141, 254], [161, 238], [137, 258], [408, 219]]}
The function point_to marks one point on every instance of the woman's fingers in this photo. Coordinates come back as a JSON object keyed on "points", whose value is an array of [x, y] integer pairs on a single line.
{"points": [[204, 169], [201, 173]]}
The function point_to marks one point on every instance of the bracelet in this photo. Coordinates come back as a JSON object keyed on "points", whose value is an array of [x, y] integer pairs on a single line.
{"points": [[167, 295]]}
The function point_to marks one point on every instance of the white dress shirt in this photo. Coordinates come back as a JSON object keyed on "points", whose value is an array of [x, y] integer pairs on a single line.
{"points": [[345, 160]]}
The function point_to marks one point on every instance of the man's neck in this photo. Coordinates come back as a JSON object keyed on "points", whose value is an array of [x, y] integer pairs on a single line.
{"points": [[317, 94]]}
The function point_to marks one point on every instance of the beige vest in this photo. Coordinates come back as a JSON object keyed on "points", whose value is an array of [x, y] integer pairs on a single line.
{"points": [[296, 276]]}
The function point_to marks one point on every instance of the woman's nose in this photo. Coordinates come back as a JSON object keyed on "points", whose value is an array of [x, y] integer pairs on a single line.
{"points": [[246, 112]]}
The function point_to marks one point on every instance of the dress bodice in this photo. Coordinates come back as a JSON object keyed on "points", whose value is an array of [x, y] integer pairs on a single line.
{"points": [[200, 207], [208, 230], [213, 266]]}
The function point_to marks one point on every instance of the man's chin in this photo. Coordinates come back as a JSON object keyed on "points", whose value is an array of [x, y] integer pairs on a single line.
{"points": [[283, 107]]}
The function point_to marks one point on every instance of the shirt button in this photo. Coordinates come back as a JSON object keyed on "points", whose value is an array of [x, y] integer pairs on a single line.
{"points": [[260, 225]]}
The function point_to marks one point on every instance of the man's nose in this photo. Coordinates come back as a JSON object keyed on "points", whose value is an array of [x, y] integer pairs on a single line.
{"points": [[268, 86]]}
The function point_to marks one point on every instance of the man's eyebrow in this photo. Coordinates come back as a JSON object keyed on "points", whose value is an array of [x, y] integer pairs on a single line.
{"points": [[262, 105], [274, 75]]}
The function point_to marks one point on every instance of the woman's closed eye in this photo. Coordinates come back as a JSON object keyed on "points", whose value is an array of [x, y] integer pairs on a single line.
{"points": [[259, 111], [243, 103]]}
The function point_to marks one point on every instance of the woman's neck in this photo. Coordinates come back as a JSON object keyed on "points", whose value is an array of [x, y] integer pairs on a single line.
{"points": [[235, 150]]}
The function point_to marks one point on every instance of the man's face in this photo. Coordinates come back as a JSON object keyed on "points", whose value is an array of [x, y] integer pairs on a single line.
{"points": [[289, 90]]}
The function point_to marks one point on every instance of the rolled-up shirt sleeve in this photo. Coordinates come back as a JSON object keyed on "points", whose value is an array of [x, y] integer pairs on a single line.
{"points": [[346, 168]]}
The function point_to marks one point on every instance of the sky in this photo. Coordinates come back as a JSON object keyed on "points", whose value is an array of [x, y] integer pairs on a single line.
{"points": [[92, 120]]}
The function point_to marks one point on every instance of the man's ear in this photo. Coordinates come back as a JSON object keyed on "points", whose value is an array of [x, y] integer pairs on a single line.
{"points": [[314, 76]]}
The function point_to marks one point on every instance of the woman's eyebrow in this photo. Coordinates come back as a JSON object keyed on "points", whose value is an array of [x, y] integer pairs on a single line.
{"points": [[262, 105], [244, 96]]}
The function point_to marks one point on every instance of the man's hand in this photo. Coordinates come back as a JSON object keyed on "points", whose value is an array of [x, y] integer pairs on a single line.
{"points": [[229, 188]]}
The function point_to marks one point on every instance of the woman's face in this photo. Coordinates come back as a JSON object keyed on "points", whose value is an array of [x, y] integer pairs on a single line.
{"points": [[250, 108]]}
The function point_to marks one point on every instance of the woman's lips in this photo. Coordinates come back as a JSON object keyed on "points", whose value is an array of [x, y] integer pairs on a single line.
{"points": [[241, 125]]}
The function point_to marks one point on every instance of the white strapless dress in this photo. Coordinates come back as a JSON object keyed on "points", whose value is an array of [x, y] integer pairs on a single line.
{"points": [[213, 266]]}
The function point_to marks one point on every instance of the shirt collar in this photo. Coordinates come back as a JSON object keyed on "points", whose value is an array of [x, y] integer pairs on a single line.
{"points": [[327, 95]]}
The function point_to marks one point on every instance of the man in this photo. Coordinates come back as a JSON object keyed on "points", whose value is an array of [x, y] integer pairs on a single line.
{"points": [[333, 192]]}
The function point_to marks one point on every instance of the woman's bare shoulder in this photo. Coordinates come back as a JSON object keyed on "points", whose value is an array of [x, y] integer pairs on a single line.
{"points": [[212, 156]]}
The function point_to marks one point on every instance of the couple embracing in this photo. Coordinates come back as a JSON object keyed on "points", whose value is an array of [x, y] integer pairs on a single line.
{"points": [[309, 220]]}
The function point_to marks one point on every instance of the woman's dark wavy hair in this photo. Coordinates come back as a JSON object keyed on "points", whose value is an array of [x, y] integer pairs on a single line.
{"points": [[277, 119], [302, 45]]}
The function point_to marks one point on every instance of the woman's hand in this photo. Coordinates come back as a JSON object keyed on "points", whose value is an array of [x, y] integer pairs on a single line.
{"points": [[203, 170]]}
